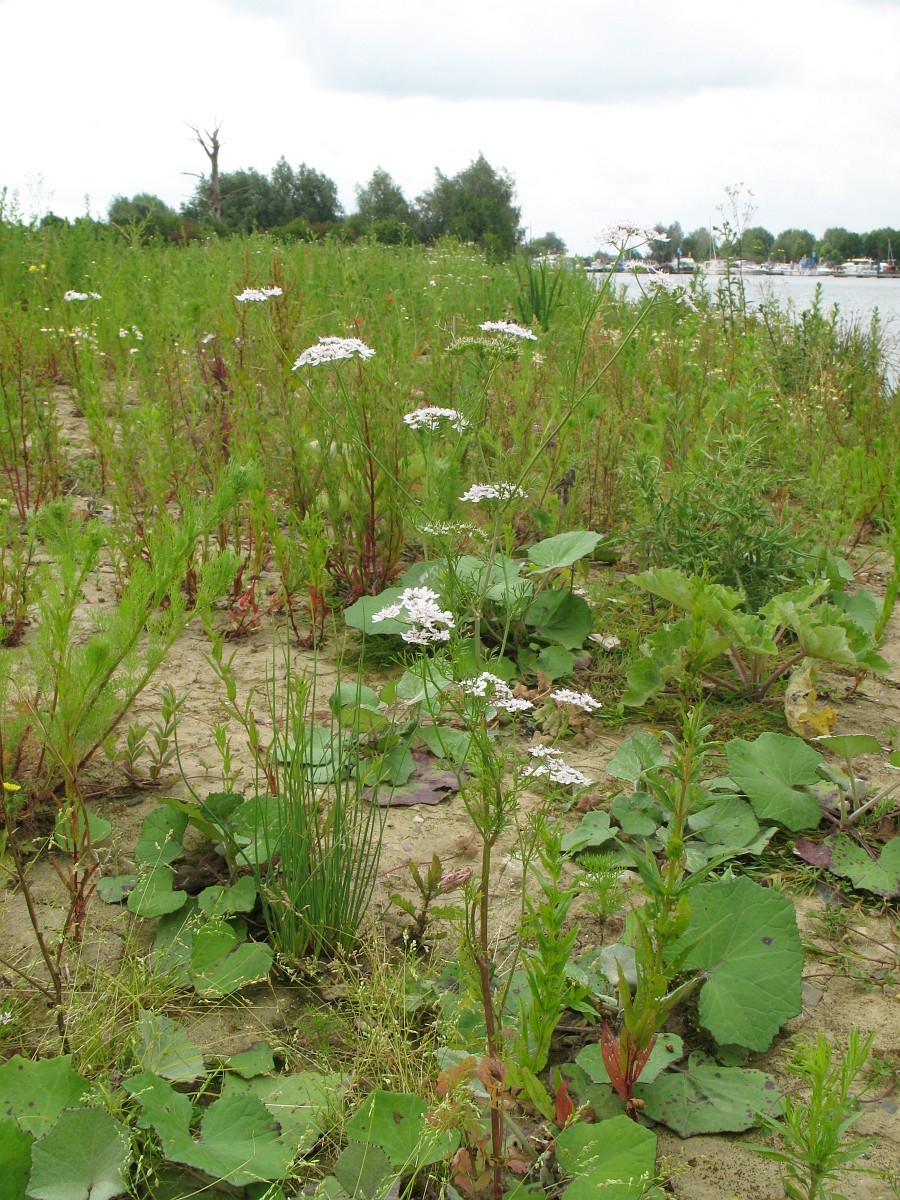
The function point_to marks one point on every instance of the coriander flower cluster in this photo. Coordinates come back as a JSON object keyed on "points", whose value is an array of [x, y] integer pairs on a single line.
{"points": [[496, 692], [550, 766], [576, 699], [510, 328], [491, 491], [69, 296], [331, 349], [432, 418], [631, 233], [419, 608], [258, 295]]}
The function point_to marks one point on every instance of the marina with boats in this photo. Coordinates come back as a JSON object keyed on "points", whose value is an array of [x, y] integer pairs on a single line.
{"points": [[853, 268]]}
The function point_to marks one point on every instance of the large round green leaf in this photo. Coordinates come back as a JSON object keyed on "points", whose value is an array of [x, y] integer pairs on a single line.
{"points": [[744, 939], [614, 1159], [35, 1093], [707, 1098], [563, 550], [83, 1157], [772, 771]]}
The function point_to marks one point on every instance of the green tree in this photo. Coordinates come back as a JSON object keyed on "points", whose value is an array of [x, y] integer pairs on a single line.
{"points": [[839, 244], [756, 244], [381, 199], [550, 243], [664, 250], [792, 245], [698, 244], [305, 193], [132, 211], [475, 206]]}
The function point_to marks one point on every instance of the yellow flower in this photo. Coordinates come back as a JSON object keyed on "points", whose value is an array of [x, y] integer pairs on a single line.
{"points": [[11, 787]]}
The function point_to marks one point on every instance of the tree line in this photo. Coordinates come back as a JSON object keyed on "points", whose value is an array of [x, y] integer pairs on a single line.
{"points": [[757, 244], [475, 205]]}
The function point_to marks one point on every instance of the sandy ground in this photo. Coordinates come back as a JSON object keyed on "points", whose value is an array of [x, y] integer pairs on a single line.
{"points": [[858, 992]]}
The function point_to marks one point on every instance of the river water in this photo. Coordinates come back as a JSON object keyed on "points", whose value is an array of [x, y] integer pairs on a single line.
{"points": [[856, 300]]}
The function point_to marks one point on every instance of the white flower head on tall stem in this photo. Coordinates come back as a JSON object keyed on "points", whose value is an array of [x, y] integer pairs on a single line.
{"points": [[70, 296], [629, 235], [550, 766], [496, 692], [332, 349], [418, 608], [510, 328], [565, 696], [433, 418], [491, 491], [258, 295]]}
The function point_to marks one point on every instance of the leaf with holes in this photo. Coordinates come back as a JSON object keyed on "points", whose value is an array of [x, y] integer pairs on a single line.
{"points": [[744, 941], [35, 1093], [878, 875], [707, 1098], [83, 1157], [396, 1122]]}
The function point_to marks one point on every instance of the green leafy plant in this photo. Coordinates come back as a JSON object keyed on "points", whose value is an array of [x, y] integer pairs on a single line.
{"points": [[812, 1144], [759, 648]]}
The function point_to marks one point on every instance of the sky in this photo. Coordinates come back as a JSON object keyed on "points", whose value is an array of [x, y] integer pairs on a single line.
{"points": [[602, 111]]}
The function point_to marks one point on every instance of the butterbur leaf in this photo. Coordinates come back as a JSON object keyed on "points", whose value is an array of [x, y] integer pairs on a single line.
{"points": [[154, 894], [83, 1157], [851, 745], [217, 901], [614, 1159], [297, 1102], [396, 1122], [239, 1141], [564, 550], [35, 1093], [221, 962], [161, 836], [878, 875], [15, 1158], [744, 939], [112, 889], [707, 1098], [258, 1060], [772, 772], [560, 616], [363, 1170], [165, 1049], [88, 827], [637, 754], [593, 832]]}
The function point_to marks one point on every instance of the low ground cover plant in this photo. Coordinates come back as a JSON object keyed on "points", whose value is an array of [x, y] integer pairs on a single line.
{"points": [[432, 481]]}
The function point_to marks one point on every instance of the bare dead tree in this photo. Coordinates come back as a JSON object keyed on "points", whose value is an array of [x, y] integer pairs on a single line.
{"points": [[211, 145]]}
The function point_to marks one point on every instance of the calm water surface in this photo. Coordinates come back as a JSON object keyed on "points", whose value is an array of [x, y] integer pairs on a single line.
{"points": [[856, 300]]}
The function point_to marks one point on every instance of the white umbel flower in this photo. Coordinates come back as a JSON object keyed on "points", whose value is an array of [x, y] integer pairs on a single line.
{"points": [[418, 607], [510, 328], [332, 349]]}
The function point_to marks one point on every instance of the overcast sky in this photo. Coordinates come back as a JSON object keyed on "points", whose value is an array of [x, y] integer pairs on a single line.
{"points": [[601, 110]]}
